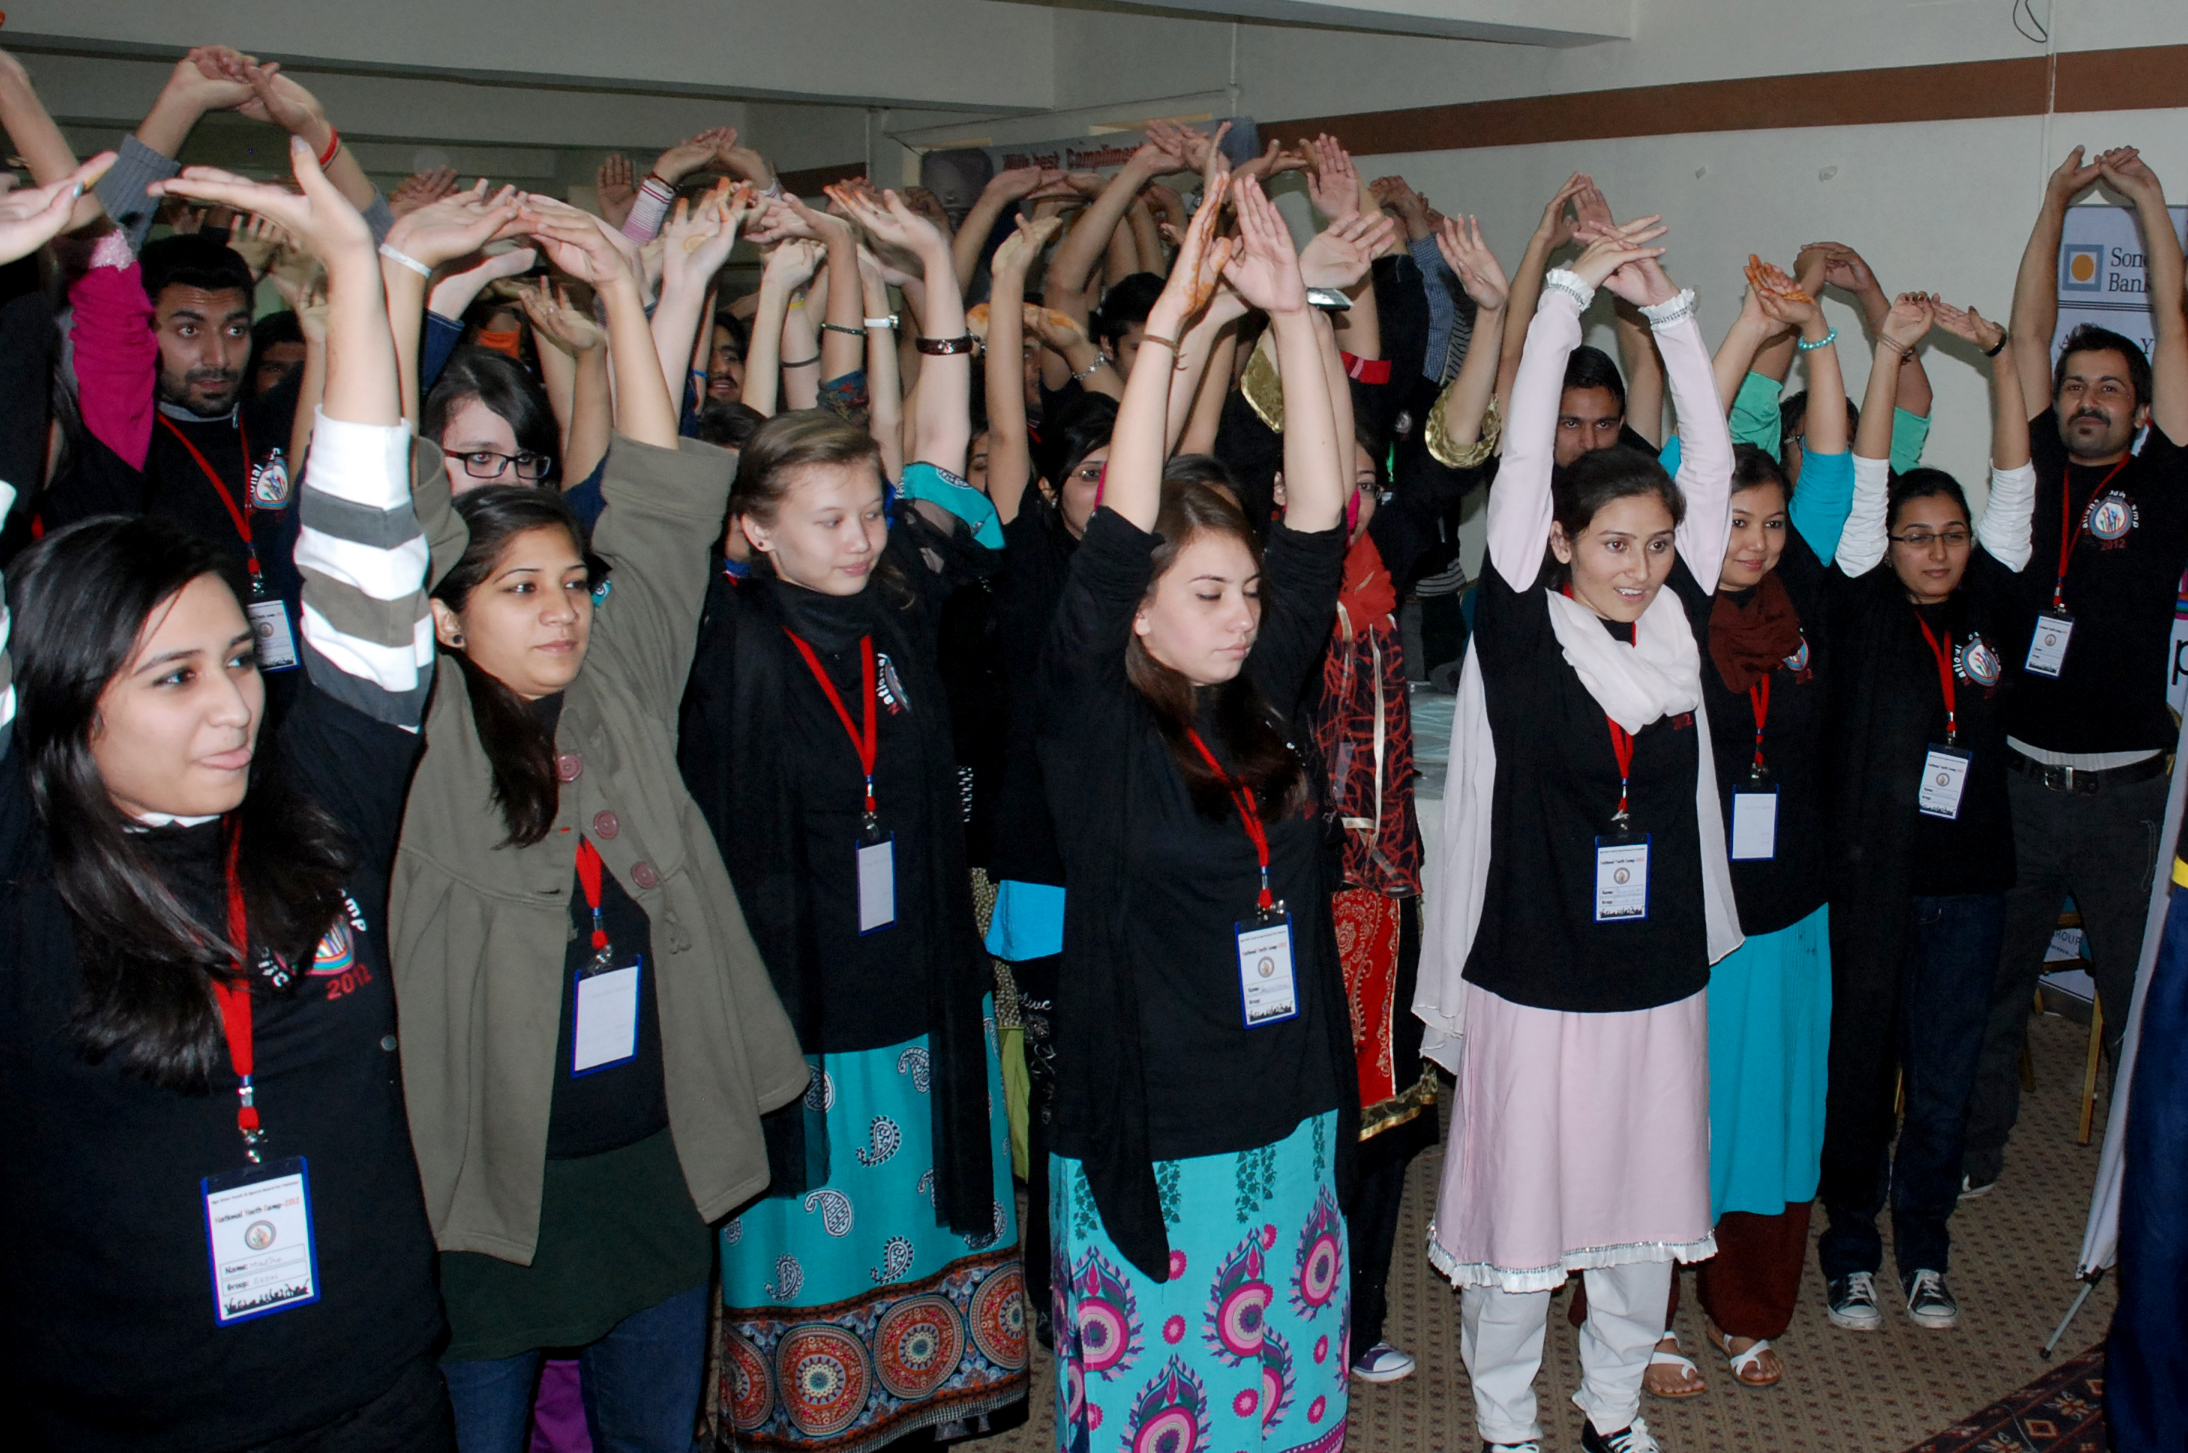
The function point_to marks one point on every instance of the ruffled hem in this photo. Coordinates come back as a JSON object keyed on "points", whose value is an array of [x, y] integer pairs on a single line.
{"points": [[1548, 1278]]}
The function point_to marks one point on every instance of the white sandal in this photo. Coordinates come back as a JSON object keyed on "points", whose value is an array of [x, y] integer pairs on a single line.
{"points": [[1661, 1358], [1751, 1357]]}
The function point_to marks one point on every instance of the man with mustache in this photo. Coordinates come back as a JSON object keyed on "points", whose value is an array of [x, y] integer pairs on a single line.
{"points": [[2088, 722]]}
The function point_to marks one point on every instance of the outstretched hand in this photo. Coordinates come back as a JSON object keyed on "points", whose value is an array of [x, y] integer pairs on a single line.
{"points": [[1909, 320], [1265, 266], [2129, 175], [1557, 221], [448, 229], [1341, 254], [1612, 249], [30, 217], [615, 187], [1333, 183], [556, 320], [421, 189], [1202, 257], [892, 223], [318, 217], [1468, 256], [2072, 177], [1018, 251], [1968, 324], [578, 243]]}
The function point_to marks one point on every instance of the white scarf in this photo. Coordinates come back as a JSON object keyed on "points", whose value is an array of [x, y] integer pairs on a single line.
{"points": [[1659, 675]]}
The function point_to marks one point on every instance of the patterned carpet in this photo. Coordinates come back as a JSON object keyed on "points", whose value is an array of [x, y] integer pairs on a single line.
{"points": [[2013, 1271], [2060, 1412]]}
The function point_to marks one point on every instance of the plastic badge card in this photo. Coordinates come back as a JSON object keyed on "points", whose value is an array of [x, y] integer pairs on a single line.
{"points": [[258, 1227]]}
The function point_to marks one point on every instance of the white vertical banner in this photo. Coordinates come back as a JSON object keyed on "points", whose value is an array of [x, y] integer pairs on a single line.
{"points": [[2103, 282]]}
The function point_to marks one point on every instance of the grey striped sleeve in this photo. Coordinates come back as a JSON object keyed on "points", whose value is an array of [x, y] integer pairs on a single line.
{"points": [[367, 637], [121, 190]]}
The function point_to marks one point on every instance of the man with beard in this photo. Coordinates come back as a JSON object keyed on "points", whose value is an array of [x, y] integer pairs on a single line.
{"points": [[2088, 722]]}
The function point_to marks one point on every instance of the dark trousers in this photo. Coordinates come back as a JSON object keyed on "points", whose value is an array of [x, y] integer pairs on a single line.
{"points": [[2146, 1360], [1749, 1287], [1923, 1016], [1036, 980], [410, 1417], [642, 1384], [1371, 1220], [2101, 847]]}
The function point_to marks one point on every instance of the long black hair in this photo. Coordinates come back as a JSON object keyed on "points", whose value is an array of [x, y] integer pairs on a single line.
{"points": [[504, 387], [81, 599], [517, 742]]}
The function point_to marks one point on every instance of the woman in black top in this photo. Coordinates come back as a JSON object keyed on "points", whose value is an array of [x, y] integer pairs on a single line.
{"points": [[816, 739], [1922, 845], [1204, 1058], [217, 1235]]}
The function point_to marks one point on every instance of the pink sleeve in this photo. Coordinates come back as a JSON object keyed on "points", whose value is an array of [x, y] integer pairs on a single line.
{"points": [[117, 359], [1519, 504], [1705, 449]]}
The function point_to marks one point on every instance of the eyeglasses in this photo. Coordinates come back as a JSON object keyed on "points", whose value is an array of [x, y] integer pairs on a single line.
{"points": [[483, 465], [1924, 539]]}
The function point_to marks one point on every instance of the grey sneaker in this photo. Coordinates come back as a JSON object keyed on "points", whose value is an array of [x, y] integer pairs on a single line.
{"points": [[1383, 1363], [1930, 1302], [1854, 1302]]}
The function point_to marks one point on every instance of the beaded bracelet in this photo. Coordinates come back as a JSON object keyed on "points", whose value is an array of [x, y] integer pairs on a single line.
{"points": [[1824, 342]]}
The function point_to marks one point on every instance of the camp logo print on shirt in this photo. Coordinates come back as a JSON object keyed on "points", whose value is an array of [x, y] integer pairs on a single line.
{"points": [[270, 483], [1977, 661], [2110, 518], [888, 688], [1798, 663]]}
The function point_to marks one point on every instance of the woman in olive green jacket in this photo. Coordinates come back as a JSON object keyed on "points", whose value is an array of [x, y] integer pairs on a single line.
{"points": [[589, 1035]]}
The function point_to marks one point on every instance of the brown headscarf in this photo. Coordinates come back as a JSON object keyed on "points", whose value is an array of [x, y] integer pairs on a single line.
{"points": [[1747, 639]]}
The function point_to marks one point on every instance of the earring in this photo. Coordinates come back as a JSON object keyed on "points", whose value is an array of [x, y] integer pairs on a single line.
{"points": [[456, 640]]}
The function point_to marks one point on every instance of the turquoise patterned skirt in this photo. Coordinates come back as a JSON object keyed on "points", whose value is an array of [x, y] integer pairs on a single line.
{"points": [[1245, 1348], [849, 1317]]}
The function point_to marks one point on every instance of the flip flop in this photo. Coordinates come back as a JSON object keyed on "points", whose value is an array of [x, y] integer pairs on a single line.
{"points": [[1748, 1360], [1673, 1359]]}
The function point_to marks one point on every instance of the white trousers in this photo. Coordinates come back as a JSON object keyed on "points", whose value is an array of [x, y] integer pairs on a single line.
{"points": [[1501, 1335]]}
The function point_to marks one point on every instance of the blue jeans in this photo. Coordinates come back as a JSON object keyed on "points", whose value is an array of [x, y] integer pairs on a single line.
{"points": [[1927, 1022], [642, 1384]]}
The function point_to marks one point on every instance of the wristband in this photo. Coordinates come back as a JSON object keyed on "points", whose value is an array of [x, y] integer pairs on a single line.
{"points": [[843, 328], [1329, 300], [1904, 350], [1090, 370], [942, 347], [1568, 282], [884, 322], [334, 144], [1366, 370], [1671, 310], [395, 254], [1824, 342], [813, 362], [2003, 340]]}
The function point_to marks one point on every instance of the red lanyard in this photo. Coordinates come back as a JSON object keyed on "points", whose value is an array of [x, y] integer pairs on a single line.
{"points": [[588, 877], [2068, 540], [1249, 813], [235, 1006], [1758, 696], [241, 515], [1944, 677], [862, 744], [1622, 746]]}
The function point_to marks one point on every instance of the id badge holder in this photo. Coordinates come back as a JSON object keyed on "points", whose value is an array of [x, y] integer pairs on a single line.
{"points": [[2047, 644], [1754, 819], [259, 1235], [604, 1028], [276, 639], [1622, 878], [1268, 989], [876, 880], [1944, 779]]}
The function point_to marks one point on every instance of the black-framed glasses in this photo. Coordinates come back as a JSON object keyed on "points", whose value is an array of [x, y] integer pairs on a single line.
{"points": [[1924, 539], [485, 465]]}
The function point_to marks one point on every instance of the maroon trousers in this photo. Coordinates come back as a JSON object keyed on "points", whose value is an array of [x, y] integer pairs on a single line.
{"points": [[1748, 1288]]}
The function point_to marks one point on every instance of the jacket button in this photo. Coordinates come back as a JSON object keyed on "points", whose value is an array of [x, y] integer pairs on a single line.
{"points": [[643, 875], [606, 824], [569, 766], [387, 1042]]}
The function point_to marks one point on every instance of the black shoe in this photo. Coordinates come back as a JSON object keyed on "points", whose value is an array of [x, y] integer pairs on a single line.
{"points": [[1853, 1300], [1530, 1446], [1044, 1330], [1633, 1439], [1930, 1302]]}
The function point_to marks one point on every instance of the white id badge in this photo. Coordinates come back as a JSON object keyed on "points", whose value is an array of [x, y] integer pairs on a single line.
{"points": [[606, 1030], [876, 885], [2047, 646], [1944, 778], [1265, 981], [276, 642], [1621, 879], [258, 1230], [1754, 825]]}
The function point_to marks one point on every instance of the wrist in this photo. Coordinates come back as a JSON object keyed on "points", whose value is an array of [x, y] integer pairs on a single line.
{"points": [[317, 131], [1814, 328]]}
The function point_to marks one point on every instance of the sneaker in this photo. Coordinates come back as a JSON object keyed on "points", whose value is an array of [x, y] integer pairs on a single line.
{"points": [[1634, 1439], [1854, 1302], [1930, 1302], [1530, 1446], [1383, 1363], [1970, 1188]]}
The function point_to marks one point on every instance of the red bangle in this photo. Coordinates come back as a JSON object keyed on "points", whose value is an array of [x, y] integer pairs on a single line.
{"points": [[334, 144], [1367, 370]]}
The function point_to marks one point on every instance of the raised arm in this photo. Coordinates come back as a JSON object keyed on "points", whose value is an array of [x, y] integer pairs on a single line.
{"points": [[1551, 233], [420, 242], [580, 244], [1848, 271], [1065, 287], [1905, 324], [574, 346], [38, 141], [789, 267], [2009, 514], [698, 241], [941, 417], [1458, 416], [1010, 456], [2036, 286], [2131, 175], [1004, 190]]}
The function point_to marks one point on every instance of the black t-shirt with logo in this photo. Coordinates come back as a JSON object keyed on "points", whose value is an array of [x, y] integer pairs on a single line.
{"points": [[2130, 540]]}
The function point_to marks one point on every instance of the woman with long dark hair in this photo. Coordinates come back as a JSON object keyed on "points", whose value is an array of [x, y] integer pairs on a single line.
{"points": [[1204, 1100], [218, 1240], [877, 1292], [1921, 851], [590, 1039], [1585, 891]]}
